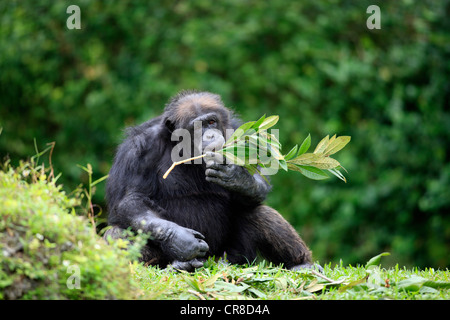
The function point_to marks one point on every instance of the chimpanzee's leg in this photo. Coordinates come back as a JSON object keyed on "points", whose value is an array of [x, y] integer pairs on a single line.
{"points": [[264, 230]]}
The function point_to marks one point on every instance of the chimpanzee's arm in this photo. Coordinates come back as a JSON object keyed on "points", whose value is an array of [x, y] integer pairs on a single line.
{"points": [[131, 184], [180, 243]]}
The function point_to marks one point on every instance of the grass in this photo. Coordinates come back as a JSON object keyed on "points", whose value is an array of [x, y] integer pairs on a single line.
{"points": [[219, 281]]}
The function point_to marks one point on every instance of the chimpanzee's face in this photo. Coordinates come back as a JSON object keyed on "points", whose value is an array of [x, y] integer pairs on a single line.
{"points": [[204, 117], [207, 132]]}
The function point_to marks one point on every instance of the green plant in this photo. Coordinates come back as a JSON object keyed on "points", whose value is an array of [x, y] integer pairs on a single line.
{"points": [[88, 192], [251, 146]]}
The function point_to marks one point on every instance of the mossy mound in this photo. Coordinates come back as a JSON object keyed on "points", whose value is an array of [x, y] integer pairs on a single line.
{"points": [[47, 251]]}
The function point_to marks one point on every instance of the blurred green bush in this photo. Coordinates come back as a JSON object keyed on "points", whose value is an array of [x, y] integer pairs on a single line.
{"points": [[314, 63]]}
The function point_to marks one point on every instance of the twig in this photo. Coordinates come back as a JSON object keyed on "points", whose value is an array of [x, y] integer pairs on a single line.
{"points": [[180, 162], [197, 294], [321, 275], [51, 175]]}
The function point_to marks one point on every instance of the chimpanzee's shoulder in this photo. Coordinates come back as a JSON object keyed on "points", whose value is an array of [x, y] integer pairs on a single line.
{"points": [[148, 136]]}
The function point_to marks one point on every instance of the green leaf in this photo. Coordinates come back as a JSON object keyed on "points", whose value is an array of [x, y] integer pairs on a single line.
{"points": [[283, 164], [294, 167], [353, 284], [257, 141], [325, 163], [413, 283], [275, 151], [376, 260], [257, 293], [257, 123], [331, 140], [236, 150], [426, 289], [322, 145], [317, 160], [314, 286], [269, 122], [306, 159], [210, 282], [229, 287], [305, 145], [270, 138], [338, 174], [233, 159], [337, 144], [314, 173], [291, 153], [99, 180], [309, 172], [239, 132], [416, 283], [437, 284], [194, 284]]}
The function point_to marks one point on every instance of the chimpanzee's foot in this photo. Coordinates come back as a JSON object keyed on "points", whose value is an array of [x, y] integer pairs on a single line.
{"points": [[189, 266]]}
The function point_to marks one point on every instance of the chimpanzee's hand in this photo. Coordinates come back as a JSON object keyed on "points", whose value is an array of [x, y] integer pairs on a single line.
{"points": [[184, 244], [229, 176], [235, 178]]}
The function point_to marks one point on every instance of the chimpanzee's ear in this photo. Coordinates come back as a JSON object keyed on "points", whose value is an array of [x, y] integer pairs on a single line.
{"points": [[169, 125]]}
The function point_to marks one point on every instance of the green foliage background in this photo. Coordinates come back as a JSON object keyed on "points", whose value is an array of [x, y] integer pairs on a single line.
{"points": [[314, 63]]}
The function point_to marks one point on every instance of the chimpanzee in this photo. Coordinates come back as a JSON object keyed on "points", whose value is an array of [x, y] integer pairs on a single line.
{"points": [[201, 210]]}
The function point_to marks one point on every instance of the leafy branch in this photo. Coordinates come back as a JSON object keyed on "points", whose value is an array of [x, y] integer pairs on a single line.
{"points": [[254, 148]]}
